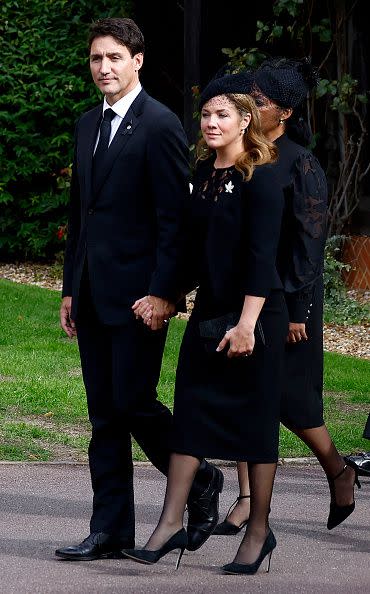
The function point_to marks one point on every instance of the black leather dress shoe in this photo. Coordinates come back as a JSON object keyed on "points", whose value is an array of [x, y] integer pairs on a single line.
{"points": [[362, 461], [98, 545], [203, 513]]}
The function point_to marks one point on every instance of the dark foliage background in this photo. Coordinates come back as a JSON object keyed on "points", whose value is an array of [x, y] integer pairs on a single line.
{"points": [[45, 84]]}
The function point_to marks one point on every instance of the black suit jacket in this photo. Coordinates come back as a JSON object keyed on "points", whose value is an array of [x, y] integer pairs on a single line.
{"points": [[128, 228]]}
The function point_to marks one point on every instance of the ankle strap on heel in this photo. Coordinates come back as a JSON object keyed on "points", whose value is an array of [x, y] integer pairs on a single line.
{"points": [[334, 478], [357, 482], [339, 473], [239, 498]]}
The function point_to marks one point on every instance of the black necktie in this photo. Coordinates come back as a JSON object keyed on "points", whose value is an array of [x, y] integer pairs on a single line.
{"points": [[102, 146], [105, 131]]}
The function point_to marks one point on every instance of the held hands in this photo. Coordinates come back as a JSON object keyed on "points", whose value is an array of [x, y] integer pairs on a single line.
{"points": [[240, 340], [66, 321], [154, 311], [297, 332], [143, 309]]}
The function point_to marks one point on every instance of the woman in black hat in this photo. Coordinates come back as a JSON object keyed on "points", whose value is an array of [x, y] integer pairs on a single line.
{"points": [[280, 89], [228, 383]]}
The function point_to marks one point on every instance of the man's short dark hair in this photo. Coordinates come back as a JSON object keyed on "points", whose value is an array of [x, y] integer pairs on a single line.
{"points": [[124, 30]]}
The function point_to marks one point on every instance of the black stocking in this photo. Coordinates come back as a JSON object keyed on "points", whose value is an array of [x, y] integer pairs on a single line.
{"points": [[261, 481], [181, 473], [320, 442]]}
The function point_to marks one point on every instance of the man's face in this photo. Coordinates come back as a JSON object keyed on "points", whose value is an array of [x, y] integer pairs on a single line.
{"points": [[115, 72]]}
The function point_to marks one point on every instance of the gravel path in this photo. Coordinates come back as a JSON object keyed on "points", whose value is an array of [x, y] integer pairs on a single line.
{"points": [[348, 340]]}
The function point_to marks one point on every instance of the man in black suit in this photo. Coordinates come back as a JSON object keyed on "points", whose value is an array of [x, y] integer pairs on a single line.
{"points": [[129, 182]]}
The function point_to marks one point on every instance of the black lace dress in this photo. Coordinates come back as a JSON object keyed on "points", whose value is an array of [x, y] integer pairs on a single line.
{"points": [[300, 265], [229, 408]]}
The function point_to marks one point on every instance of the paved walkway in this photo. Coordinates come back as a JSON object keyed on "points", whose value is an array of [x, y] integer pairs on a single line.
{"points": [[45, 506]]}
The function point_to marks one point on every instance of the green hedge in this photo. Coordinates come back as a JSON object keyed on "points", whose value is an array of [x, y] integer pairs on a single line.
{"points": [[45, 85]]}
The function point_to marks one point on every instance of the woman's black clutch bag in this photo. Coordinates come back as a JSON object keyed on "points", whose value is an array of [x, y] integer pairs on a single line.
{"points": [[213, 330]]}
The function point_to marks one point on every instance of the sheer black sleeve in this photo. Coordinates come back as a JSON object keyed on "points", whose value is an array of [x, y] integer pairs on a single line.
{"points": [[308, 218]]}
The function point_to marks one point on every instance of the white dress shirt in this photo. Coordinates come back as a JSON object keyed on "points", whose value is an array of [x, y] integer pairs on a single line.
{"points": [[120, 108]]}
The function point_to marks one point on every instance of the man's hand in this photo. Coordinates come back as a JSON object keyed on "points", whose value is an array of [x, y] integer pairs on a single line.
{"points": [[297, 332], [163, 310], [66, 321]]}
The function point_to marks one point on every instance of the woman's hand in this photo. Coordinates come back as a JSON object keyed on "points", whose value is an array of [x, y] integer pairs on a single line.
{"points": [[240, 339], [142, 308], [297, 332]]}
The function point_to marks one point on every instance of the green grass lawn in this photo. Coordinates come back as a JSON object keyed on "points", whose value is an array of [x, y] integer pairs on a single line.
{"points": [[42, 400]]}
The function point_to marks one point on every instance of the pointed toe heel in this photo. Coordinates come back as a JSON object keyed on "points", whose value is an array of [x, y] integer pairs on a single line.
{"points": [[338, 513], [252, 568], [177, 541]]}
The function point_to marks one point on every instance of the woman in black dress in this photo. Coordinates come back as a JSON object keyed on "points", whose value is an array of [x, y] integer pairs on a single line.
{"points": [[227, 396], [280, 88]]}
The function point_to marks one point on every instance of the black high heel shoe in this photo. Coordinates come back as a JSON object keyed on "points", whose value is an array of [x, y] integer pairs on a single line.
{"points": [[338, 513], [252, 568], [178, 541], [228, 528]]}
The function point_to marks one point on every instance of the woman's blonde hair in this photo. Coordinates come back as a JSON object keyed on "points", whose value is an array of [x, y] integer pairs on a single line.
{"points": [[257, 149]]}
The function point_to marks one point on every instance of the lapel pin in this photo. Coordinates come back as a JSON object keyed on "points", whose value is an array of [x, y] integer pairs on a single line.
{"points": [[127, 127]]}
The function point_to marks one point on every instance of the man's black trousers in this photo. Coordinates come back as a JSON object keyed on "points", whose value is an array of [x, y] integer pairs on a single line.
{"points": [[121, 367]]}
